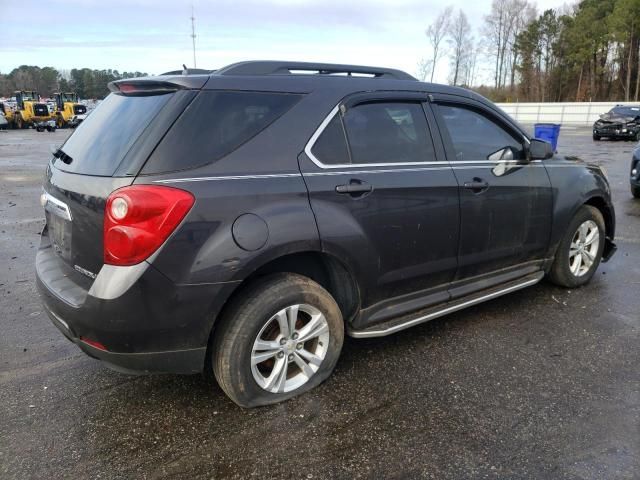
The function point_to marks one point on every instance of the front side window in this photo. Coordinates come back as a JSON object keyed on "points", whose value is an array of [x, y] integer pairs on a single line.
{"points": [[388, 132], [477, 137]]}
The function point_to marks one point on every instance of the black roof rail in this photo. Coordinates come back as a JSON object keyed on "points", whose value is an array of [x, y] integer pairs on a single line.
{"points": [[270, 67]]}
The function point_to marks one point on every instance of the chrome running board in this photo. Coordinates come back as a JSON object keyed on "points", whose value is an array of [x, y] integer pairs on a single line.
{"points": [[453, 306]]}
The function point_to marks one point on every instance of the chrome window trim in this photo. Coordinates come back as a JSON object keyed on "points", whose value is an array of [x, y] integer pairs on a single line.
{"points": [[320, 129], [336, 109]]}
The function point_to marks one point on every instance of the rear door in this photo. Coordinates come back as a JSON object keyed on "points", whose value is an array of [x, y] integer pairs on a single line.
{"points": [[505, 200], [385, 200]]}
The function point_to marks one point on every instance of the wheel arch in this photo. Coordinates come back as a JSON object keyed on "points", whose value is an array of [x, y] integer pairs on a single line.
{"points": [[325, 269], [605, 208]]}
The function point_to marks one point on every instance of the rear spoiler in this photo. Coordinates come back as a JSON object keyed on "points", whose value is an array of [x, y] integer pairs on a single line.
{"points": [[157, 85]]}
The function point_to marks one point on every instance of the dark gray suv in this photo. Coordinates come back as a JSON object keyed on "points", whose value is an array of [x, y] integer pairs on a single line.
{"points": [[245, 220]]}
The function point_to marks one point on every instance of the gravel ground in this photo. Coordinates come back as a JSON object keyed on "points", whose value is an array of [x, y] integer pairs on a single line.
{"points": [[543, 383]]}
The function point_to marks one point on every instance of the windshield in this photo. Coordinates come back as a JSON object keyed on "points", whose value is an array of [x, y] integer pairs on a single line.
{"points": [[101, 142], [626, 111]]}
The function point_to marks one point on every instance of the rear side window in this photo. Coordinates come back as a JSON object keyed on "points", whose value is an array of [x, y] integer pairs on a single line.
{"points": [[214, 125], [388, 133], [101, 141]]}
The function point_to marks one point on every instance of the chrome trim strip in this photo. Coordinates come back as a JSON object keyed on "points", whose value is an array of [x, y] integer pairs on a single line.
{"points": [[56, 207], [228, 177], [440, 313], [329, 117], [394, 170]]}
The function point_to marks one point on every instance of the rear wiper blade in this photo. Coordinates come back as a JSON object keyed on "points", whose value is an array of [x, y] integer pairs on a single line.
{"points": [[62, 156]]}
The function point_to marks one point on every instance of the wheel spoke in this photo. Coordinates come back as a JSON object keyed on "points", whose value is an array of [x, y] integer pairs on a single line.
{"points": [[583, 232], [312, 358], [283, 323], [587, 259], [261, 345], [593, 235], [316, 327], [304, 366], [278, 376], [257, 358], [577, 263], [292, 318]]}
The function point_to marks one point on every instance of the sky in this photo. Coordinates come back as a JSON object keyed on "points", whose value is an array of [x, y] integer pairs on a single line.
{"points": [[154, 35]]}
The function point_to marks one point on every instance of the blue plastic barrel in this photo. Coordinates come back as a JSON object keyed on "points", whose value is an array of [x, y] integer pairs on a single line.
{"points": [[547, 131]]}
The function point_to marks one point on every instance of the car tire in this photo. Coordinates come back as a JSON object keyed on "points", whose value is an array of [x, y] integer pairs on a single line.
{"points": [[257, 359], [579, 254], [635, 191], [596, 137]]}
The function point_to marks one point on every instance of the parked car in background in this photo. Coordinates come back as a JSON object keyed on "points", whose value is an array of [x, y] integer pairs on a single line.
{"points": [[244, 221], [621, 122], [3, 122], [635, 173]]}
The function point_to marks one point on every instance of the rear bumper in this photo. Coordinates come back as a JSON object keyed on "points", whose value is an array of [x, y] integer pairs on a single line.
{"points": [[177, 361], [154, 326]]}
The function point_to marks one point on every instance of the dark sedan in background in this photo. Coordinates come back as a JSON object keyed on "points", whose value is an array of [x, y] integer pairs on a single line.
{"points": [[621, 122], [635, 173]]}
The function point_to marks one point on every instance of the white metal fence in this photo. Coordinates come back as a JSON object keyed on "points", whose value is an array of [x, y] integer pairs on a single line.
{"points": [[576, 113]]}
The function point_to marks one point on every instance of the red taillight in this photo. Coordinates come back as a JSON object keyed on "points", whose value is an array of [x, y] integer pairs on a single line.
{"points": [[138, 219]]}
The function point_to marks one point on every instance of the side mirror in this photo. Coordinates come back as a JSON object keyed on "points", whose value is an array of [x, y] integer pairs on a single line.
{"points": [[540, 150]]}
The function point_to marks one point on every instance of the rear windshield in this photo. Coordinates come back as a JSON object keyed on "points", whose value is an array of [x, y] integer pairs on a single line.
{"points": [[100, 142], [214, 125]]}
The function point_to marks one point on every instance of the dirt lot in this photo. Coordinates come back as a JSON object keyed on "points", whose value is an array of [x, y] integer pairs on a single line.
{"points": [[543, 383]]}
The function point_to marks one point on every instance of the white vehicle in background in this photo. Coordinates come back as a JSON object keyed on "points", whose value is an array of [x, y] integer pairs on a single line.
{"points": [[3, 122]]}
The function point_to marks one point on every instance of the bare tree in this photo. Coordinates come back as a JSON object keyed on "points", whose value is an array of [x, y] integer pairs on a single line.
{"points": [[461, 46], [436, 32], [424, 67], [506, 19]]}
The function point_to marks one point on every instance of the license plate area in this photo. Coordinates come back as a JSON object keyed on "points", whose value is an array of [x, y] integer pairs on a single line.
{"points": [[60, 235]]}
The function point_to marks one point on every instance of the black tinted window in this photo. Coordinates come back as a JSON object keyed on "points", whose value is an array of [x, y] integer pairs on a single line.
{"points": [[100, 142], [214, 125], [476, 137], [331, 146], [388, 133]]}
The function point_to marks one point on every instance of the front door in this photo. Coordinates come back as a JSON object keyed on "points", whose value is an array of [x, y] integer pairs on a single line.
{"points": [[505, 200]]}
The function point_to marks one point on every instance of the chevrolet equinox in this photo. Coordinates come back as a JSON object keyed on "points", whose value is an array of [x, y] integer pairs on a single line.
{"points": [[244, 220]]}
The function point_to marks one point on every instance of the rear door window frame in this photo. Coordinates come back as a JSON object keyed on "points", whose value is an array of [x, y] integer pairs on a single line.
{"points": [[416, 97]]}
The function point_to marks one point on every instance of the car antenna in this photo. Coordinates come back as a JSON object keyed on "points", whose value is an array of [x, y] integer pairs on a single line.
{"points": [[185, 70]]}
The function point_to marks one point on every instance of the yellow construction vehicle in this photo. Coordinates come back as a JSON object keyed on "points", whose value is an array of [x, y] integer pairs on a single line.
{"points": [[68, 108], [29, 110]]}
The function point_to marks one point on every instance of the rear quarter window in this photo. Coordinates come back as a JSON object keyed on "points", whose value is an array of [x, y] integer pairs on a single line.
{"points": [[214, 125]]}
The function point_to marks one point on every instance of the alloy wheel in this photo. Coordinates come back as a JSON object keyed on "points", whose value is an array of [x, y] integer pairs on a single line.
{"points": [[290, 348], [584, 248]]}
